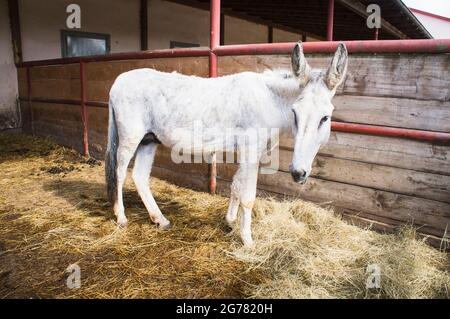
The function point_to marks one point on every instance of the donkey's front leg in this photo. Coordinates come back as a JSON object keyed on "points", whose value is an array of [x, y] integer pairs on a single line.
{"points": [[245, 184]]}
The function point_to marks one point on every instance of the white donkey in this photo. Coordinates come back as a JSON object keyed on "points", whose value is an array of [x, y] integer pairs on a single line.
{"points": [[146, 107]]}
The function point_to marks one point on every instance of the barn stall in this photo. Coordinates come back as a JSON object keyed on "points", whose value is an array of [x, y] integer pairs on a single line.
{"points": [[387, 159], [386, 164]]}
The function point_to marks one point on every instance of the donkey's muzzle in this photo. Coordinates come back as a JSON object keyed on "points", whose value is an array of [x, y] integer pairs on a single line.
{"points": [[299, 176]]}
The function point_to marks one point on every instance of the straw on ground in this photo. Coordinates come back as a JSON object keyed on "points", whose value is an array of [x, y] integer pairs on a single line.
{"points": [[53, 213]]}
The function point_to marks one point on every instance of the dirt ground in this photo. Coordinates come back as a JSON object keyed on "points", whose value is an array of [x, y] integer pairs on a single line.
{"points": [[54, 213]]}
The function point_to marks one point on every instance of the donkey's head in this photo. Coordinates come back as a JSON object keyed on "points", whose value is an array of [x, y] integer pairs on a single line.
{"points": [[313, 108]]}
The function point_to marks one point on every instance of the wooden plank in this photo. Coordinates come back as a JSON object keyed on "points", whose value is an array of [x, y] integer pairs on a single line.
{"points": [[22, 82], [437, 241], [163, 160], [391, 223], [57, 113], [25, 117], [98, 131], [399, 207], [56, 81], [69, 136], [396, 180], [416, 76], [61, 122], [402, 153], [101, 75], [395, 112], [181, 179]]}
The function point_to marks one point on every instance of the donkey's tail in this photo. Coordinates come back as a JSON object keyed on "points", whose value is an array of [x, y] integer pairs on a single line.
{"points": [[111, 157]]}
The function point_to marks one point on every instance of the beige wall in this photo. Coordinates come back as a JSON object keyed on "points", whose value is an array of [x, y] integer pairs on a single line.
{"points": [[8, 74], [172, 21], [168, 21], [239, 31], [42, 21], [285, 36]]}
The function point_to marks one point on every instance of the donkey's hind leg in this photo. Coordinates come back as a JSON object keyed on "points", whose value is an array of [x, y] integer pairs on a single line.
{"points": [[125, 152], [142, 167]]}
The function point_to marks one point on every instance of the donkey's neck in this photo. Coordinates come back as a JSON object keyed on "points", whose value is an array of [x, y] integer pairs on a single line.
{"points": [[282, 83]]}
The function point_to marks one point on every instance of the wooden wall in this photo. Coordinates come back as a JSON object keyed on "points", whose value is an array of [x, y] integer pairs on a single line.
{"points": [[380, 180]]}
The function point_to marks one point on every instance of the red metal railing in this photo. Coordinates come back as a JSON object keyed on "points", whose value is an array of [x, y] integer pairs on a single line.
{"points": [[330, 20], [214, 42], [215, 50]]}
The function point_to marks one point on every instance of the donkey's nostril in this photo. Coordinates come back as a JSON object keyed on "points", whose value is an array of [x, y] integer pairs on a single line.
{"points": [[298, 175], [302, 173]]}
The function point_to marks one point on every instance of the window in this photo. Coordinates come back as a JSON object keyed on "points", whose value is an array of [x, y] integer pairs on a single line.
{"points": [[76, 43], [177, 44]]}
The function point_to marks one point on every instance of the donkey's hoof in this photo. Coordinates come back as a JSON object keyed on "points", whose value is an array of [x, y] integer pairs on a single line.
{"points": [[230, 225], [248, 243], [165, 226], [123, 223]]}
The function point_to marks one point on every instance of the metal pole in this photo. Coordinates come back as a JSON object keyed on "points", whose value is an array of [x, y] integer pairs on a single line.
{"points": [[214, 42], [429, 136], [376, 34], [366, 46], [330, 20], [358, 46], [84, 112]]}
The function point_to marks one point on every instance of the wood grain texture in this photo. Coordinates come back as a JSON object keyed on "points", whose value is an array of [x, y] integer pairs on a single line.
{"points": [[56, 81], [181, 179], [101, 75], [415, 76], [395, 112], [22, 82], [397, 180], [395, 152]]}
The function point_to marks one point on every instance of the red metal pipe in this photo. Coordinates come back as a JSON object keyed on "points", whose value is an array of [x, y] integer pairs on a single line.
{"points": [[29, 98], [214, 39], [214, 42], [435, 137], [377, 30], [330, 20], [84, 112], [366, 46], [152, 54]]}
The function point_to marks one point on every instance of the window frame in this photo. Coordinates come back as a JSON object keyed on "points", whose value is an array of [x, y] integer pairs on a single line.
{"points": [[179, 44], [83, 34]]}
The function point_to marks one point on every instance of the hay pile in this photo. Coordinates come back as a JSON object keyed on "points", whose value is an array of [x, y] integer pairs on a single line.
{"points": [[53, 213]]}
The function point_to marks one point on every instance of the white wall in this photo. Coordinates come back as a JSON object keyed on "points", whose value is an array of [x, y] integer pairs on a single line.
{"points": [[168, 21], [8, 75], [239, 31], [285, 36], [41, 23], [439, 29]]}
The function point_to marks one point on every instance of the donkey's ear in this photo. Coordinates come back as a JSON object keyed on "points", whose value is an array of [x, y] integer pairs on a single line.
{"points": [[338, 68], [300, 67]]}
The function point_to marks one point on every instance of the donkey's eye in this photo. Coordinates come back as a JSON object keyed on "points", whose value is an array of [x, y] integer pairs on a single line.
{"points": [[295, 118], [323, 120]]}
